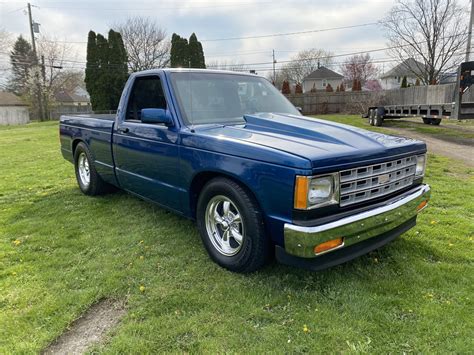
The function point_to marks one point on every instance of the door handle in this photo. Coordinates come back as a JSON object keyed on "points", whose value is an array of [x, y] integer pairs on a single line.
{"points": [[123, 130]]}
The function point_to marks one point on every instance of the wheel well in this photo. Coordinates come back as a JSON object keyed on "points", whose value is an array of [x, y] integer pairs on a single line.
{"points": [[74, 145], [202, 178]]}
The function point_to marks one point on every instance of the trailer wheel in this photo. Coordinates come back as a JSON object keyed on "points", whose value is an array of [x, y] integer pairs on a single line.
{"points": [[436, 121], [378, 120], [371, 116], [426, 120]]}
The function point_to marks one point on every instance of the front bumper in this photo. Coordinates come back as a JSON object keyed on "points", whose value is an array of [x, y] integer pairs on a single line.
{"points": [[379, 221]]}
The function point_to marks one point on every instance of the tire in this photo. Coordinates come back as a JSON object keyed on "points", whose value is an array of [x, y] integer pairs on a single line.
{"points": [[426, 120], [436, 121], [371, 116], [378, 120], [87, 177], [247, 247]]}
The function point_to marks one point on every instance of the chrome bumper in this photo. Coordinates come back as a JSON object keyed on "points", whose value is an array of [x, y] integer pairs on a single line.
{"points": [[300, 241]]}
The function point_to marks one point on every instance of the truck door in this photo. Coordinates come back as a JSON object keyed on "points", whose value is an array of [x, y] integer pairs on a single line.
{"points": [[146, 155]]}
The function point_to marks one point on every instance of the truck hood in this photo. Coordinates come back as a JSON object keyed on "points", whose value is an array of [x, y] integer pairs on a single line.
{"points": [[324, 144]]}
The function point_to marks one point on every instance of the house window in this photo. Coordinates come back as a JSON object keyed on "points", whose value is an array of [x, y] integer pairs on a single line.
{"points": [[325, 82], [398, 78]]}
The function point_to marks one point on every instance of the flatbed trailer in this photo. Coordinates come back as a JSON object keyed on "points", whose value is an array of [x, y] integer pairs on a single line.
{"points": [[431, 113]]}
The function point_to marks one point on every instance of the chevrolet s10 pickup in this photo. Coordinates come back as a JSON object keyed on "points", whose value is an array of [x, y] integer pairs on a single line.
{"points": [[231, 152]]}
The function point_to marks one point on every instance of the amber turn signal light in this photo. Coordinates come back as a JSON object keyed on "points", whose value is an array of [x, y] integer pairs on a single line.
{"points": [[301, 192], [422, 205], [330, 244]]}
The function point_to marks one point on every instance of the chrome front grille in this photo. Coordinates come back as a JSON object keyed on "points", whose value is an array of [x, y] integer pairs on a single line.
{"points": [[368, 182]]}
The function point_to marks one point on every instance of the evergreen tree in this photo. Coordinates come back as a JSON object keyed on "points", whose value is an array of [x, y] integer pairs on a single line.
{"points": [[196, 54], [329, 88], [92, 69], [285, 88], [102, 79], [354, 85], [417, 82], [342, 88], [179, 56], [22, 60], [118, 70], [106, 70], [404, 82], [298, 89], [184, 54]]}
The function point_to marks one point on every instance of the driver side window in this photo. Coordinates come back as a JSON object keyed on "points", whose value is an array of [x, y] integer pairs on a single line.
{"points": [[147, 92]]}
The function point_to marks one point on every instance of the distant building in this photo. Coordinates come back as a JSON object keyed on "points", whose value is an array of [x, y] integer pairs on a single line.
{"points": [[13, 111], [410, 68], [74, 101], [320, 78]]}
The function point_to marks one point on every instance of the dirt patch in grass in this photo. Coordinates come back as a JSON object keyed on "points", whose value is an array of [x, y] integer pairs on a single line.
{"points": [[457, 150], [89, 329]]}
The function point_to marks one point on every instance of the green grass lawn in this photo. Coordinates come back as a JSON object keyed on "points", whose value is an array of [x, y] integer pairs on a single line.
{"points": [[61, 251]]}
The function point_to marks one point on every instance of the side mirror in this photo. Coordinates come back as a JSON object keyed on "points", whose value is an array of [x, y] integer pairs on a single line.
{"points": [[300, 110], [156, 115]]}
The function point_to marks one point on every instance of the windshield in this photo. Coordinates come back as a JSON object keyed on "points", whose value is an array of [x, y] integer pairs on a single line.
{"points": [[226, 98]]}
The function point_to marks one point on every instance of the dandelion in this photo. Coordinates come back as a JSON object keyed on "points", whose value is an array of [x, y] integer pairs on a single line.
{"points": [[141, 241], [14, 273], [305, 328], [141, 257], [450, 244], [17, 242], [433, 222], [142, 288]]}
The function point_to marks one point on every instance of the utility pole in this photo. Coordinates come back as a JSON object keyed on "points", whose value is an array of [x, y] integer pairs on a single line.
{"points": [[39, 94], [33, 44], [469, 33], [274, 62]]}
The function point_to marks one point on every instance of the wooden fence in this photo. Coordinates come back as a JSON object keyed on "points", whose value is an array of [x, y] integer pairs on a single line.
{"points": [[358, 101]]}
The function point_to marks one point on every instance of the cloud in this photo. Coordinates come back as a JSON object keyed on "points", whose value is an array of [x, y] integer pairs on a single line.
{"points": [[210, 19]]}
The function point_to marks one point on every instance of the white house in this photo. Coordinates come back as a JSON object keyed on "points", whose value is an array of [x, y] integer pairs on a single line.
{"points": [[410, 68], [320, 78], [13, 111]]}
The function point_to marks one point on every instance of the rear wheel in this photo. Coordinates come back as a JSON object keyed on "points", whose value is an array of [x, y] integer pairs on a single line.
{"points": [[87, 177], [231, 227]]}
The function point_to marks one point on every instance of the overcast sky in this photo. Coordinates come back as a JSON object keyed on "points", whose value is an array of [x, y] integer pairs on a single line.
{"points": [[70, 21]]}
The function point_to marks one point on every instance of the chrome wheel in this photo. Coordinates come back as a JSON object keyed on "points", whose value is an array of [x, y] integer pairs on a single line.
{"points": [[83, 169], [224, 225]]}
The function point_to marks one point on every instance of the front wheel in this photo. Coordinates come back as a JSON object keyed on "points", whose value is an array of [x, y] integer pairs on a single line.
{"points": [[231, 227]]}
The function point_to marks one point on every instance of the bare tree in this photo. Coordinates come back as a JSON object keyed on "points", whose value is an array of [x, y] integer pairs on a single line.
{"points": [[5, 45], [54, 55], [359, 67], [55, 75], [433, 32], [145, 42], [304, 63], [233, 65], [5, 40]]}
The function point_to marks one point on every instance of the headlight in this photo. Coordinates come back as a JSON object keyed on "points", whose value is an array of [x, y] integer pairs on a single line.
{"points": [[316, 191], [420, 165]]}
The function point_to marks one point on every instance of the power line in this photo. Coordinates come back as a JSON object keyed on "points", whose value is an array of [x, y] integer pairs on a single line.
{"points": [[290, 33]]}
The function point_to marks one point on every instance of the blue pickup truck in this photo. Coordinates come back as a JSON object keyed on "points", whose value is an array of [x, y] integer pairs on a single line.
{"points": [[231, 152]]}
